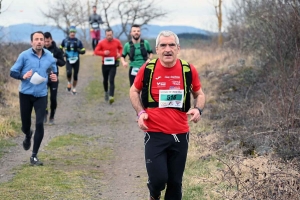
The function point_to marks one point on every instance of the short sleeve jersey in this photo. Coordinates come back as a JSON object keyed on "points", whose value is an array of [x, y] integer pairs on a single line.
{"points": [[167, 120], [138, 60]]}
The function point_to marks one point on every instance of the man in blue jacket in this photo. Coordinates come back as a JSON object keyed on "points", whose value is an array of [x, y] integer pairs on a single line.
{"points": [[33, 67]]}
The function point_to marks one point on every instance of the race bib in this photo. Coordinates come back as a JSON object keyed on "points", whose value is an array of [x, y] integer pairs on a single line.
{"points": [[170, 98], [109, 61], [95, 25], [72, 60], [134, 71]]}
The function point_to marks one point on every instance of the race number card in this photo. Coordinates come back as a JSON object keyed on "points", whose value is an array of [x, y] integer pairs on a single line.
{"points": [[170, 98], [109, 61], [134, 71]]}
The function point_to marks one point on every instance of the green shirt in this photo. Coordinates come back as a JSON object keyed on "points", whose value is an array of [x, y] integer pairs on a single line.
{"points": [[138, 59]]}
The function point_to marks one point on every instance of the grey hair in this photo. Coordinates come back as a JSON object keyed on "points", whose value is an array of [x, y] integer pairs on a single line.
{"points": [[167, 34]]}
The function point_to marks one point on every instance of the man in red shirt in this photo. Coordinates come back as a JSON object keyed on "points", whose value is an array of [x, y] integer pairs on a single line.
{"points": [[160, 96], [110, 49]]}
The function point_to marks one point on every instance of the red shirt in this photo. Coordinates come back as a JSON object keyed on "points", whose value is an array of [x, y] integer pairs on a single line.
{"points": [[114, 46], [167, 120]]}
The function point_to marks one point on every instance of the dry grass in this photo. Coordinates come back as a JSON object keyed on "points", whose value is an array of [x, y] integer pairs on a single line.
{"points": [[9, 112], [215, 171]]}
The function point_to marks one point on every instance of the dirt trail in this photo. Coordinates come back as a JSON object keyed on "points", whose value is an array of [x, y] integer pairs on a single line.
{"points": [[124, 175]]}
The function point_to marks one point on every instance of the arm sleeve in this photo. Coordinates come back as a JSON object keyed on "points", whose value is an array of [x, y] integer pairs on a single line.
{"points": [[120, 47], [138, 81], [15, 71], [125, 50], [60, 58], [99, 49], [81, 48], [148, 47], [62, 45], [100, 20], [53, 65], [196, 84]]}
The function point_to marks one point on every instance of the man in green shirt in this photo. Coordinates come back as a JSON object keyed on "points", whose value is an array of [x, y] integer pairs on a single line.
{"points": [[138, 50]]}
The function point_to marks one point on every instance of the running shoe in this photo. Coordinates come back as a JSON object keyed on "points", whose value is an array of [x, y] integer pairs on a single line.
{"points": [[34, 161], [74, 92], [152, 198], [106, 96], [51, 122], [111, 100], [27, 141], [69, 87]]}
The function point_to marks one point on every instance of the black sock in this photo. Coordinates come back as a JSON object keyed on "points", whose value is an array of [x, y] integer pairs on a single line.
{"points": [[29, 135], [33, 154]]}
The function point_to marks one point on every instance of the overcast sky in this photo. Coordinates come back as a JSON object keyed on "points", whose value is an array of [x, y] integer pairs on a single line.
{"points": [[196, 13]]}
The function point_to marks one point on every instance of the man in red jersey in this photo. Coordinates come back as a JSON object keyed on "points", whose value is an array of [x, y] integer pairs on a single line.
{"points": [[110, 49], [160, 96]]}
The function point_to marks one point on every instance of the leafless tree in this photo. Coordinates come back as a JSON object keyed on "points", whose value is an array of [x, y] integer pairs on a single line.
{"points": [[66, 13], [0, 6], [128, 12], [218, 11], [125, 12]]}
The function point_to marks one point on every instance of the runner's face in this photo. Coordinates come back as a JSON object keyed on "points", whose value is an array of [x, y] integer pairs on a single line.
{"points": [[167, 50], [48, 42], [135, 33], [72, 34], [109, 35], [94, 9], [37, 42]]}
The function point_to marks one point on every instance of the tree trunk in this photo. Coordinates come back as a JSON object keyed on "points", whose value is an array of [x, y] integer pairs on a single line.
{"points": [[220, 40]]}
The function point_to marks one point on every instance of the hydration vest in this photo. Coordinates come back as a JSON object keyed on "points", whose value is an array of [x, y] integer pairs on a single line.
{"points": [[147, 98], [71, 45], [143, 50]]}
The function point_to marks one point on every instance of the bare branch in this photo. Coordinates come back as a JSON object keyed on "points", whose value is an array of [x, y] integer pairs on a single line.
{"points": [[130, 12]]}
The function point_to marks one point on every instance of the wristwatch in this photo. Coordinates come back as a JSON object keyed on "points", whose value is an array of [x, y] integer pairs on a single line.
{"points": [[200, 110]]}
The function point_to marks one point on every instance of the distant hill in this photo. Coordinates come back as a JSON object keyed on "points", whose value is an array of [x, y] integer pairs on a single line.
{"points": [[21, 32]]}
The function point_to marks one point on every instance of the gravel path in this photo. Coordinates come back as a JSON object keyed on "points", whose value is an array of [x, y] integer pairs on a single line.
{"points": [[125, 174]]}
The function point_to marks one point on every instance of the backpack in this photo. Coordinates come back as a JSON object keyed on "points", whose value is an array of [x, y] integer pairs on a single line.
{"points": [[143, 50]]}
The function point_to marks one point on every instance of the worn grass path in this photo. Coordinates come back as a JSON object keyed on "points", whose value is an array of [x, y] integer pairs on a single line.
{"points": [[94, 151]]}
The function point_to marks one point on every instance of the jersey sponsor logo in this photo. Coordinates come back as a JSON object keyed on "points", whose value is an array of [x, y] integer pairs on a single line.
{"points": [[158, 77], [174, 87], [176, 82], [177, 103], [173, 77], [164, 104], [161, 83]]}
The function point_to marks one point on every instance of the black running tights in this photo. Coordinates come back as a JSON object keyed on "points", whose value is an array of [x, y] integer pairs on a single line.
{"points": [[70, 67], [165, 157], [109, 73], [53, 86], [27, 102]]}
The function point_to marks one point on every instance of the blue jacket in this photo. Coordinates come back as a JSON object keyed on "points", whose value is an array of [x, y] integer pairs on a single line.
{"points": [[28, 60]]}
